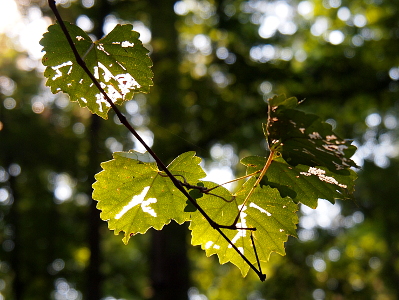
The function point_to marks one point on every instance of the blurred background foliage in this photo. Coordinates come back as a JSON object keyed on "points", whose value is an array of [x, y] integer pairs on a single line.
{"points": [[216, 62]]}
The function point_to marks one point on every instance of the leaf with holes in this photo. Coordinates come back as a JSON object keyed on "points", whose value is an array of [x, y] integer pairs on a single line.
{"points": [[119, 62], [302, 183], [273, 217], [134, 195], [304, 139]]}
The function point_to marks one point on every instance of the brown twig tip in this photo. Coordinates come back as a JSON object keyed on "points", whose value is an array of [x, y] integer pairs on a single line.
{"points": [[262, 277]]}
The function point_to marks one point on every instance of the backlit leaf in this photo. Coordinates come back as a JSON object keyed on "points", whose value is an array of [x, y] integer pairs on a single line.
{"points": [[135, 195], [273, 217], [118, 61]]}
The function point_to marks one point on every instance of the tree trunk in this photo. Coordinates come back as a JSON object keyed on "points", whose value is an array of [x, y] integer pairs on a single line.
{"points": [[168, 257], [169, 271], [94, 277]]}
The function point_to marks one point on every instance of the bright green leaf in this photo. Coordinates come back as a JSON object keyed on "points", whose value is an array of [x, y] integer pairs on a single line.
{"points": [[135, 195], [118, 61], [273, 217]]}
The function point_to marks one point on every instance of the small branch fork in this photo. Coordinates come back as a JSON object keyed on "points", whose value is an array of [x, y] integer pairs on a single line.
{"points": [[160, 163]]}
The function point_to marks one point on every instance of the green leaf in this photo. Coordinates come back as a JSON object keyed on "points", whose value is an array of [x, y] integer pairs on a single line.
{"points": [[273, 217], [304, 139], [118, 61], [302, 183], [134, 195]]}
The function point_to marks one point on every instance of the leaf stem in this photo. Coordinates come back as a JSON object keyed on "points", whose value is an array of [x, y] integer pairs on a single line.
{"points": [[159, 162], [262, 173]]}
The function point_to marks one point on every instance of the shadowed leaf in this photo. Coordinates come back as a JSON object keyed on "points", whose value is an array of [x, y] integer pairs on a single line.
{"points": [[304, 139], [303, 184]]}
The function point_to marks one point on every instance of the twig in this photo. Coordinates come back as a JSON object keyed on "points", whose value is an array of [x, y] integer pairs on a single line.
{"points": [[262, 173], [159, 162], [256, 253], [234, 180]]}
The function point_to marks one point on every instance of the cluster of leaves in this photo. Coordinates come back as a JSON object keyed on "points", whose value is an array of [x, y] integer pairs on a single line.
{"points": [[307, 161]]}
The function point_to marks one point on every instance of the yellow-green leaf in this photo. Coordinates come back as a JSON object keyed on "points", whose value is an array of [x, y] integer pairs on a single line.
{"points": [[134, 195]]}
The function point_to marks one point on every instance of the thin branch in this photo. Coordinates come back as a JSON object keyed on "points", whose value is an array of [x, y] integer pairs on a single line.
{"points": [[235, 179], [159, 162], [256, 253]]}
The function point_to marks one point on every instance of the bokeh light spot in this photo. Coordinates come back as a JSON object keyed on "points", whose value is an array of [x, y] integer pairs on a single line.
{"points": [[78, 128], [145, 33], [394, 73], [390, 121], [318, 294], [305, 8], [359, 20], [9, 103], [88, 3], [334, 3], [85, 23], [181, 8], [110, 22], [334, 254], [37, 107], [222, 53], [373, 120], [265, 87], [344, 13], [14, 170], [320, 26], [7, 86], [3, 195], [319, 265], [336, 37]]}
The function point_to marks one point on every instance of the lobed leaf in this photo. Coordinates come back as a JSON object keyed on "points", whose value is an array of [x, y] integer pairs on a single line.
{"points": [[304, 139], [134, 195], [119, 61], [273, 217]]}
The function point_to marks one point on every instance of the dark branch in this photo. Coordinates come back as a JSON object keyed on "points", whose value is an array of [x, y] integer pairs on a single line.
{"points": [[257, 258], [159, 162]]}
